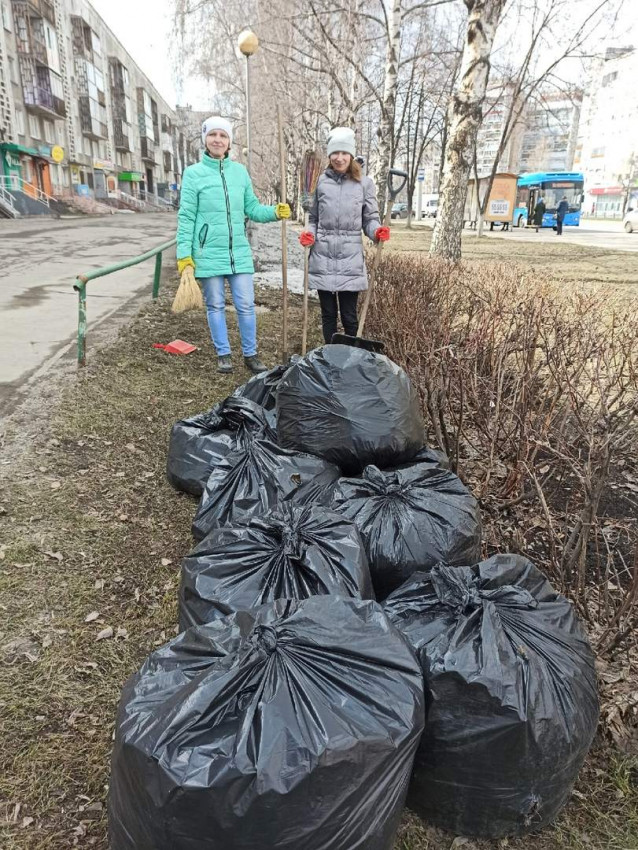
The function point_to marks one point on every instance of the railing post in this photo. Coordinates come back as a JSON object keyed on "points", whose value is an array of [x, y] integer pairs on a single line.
{"points": [[158, 274], [80, 288]]}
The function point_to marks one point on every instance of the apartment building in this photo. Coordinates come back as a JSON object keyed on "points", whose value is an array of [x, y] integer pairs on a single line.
{"points": [[497, 109], [77, 115], [551, 132], [607, 149]]}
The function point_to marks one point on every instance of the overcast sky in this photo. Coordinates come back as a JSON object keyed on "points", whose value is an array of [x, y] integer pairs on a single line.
{"points": [[145, 28]]}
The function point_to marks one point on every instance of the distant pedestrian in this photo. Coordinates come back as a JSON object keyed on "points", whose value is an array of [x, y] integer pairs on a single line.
{"points": [[561, 212], [539, 212], [343, 205], [217, 195]]}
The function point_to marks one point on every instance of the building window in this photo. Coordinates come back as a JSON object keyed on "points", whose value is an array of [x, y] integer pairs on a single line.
{"points": [[49, 132], [609, 78], [597, 152], [34, 127], [12, 70], [20, 122]]}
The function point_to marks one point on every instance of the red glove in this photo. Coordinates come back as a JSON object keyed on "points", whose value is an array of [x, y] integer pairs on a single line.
{"points": [[382, 234], [306, 238]]}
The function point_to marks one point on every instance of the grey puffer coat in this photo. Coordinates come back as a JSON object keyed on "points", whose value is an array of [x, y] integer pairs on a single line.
{"points": [[341, 209]]}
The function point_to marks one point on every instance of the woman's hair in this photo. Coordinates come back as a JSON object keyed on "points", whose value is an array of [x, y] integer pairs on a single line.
{"points": [[353, 170]]}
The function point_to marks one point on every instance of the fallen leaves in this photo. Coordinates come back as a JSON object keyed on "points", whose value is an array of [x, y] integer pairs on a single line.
{"points": [[105, 634], [92, 616]]}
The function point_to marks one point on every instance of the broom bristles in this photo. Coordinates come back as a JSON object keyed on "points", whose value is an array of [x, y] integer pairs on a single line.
{"points": [[188, 296]]}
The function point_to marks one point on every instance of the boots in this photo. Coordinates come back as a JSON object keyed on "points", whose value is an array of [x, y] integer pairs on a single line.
{"points": [[254, 364]]}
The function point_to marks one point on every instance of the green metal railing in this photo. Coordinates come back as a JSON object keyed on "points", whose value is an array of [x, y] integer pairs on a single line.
{"points": [[83, 279]]}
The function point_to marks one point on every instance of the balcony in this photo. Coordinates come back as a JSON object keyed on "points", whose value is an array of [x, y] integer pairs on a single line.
{"points": [[92, 127], [148, 150], [32, 48], [121, 136], [42, 8], [41, 101]]}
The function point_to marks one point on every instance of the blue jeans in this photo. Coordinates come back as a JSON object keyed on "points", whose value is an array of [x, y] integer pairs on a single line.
{"points": [[243, 294]]}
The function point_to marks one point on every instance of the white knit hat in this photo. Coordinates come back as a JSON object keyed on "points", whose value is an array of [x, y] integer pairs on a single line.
{"points": [[216, 122], [341, 139]]}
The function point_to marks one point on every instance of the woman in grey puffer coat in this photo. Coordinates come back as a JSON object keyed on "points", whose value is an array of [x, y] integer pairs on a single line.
{"points": [[343, 205]]}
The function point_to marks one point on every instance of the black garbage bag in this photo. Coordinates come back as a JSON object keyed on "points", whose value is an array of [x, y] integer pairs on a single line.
{"points": [[293, 552], [511, 694], [410, 518], [257, 478], [293, 728], [262, 388], [199, 443], [349, 406]]}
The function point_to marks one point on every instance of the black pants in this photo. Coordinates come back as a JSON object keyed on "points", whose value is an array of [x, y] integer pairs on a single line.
{"points": [[347, 308], [559, 226]]}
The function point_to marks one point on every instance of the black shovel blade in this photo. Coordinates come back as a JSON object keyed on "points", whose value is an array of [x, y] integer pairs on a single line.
{"points": [[374, 345]]}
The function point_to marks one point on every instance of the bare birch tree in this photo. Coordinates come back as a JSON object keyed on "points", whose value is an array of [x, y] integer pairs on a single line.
{"points": [[464, 121]]}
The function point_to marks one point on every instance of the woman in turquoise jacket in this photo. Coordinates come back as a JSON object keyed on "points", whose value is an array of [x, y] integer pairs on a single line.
{"points": [[216, 198]]}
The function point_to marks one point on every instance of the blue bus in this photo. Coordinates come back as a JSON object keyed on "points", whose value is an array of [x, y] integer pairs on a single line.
{"points": [[551, 186]]}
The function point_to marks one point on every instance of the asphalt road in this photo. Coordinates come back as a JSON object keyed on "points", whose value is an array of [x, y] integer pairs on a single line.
{"points": [[39, 259], [591, 233]]}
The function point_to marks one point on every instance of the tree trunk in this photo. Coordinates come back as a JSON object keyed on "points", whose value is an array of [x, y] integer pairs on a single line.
{"points": [[386, 125], [465, 119], [408, 222]]}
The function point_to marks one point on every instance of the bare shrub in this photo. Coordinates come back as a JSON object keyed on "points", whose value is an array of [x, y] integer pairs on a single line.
{"points": [[532, 390]]}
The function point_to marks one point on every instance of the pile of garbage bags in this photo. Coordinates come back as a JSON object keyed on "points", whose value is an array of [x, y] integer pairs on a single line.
{"points": [[342, 646]]}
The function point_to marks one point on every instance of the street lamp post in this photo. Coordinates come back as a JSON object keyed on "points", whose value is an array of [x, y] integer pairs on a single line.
{"points": [[248, 43]]}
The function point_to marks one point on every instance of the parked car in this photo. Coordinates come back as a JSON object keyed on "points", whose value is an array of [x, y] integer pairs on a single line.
{"points": [[630, 221], [399, 211]]}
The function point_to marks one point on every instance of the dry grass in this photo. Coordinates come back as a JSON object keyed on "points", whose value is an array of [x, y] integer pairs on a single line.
{"points": [[89, 524], [559, 260]]}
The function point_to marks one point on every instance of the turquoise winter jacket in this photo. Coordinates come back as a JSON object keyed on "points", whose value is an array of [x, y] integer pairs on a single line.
{"points": [[216, 197]]}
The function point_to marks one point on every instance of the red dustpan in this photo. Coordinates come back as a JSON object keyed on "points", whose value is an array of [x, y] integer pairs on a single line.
{"points": [[178, 346]]}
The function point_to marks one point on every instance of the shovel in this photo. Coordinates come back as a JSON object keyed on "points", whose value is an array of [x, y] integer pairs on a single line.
{"points": [[359, 341]]}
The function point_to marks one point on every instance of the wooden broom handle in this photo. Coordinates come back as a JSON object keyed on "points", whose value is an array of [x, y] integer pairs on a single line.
{"points": [[284, 241]]}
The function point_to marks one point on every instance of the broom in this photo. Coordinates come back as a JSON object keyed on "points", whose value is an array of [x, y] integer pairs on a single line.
{"points": [[188, 295], [311, 165]]}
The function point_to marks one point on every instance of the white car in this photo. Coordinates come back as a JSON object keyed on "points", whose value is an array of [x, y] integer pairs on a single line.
{"points": [[630, 221]]}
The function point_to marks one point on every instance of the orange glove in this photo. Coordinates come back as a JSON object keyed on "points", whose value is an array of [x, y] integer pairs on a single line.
{"points": [[306, 238], [382, 234]]}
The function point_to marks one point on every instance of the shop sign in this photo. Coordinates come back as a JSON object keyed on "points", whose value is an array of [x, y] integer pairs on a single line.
{"points": [[57, 153]]}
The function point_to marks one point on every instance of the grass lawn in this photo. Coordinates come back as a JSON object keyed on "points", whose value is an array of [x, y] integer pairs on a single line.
{"points": [[91, 537], [561, 260]]}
